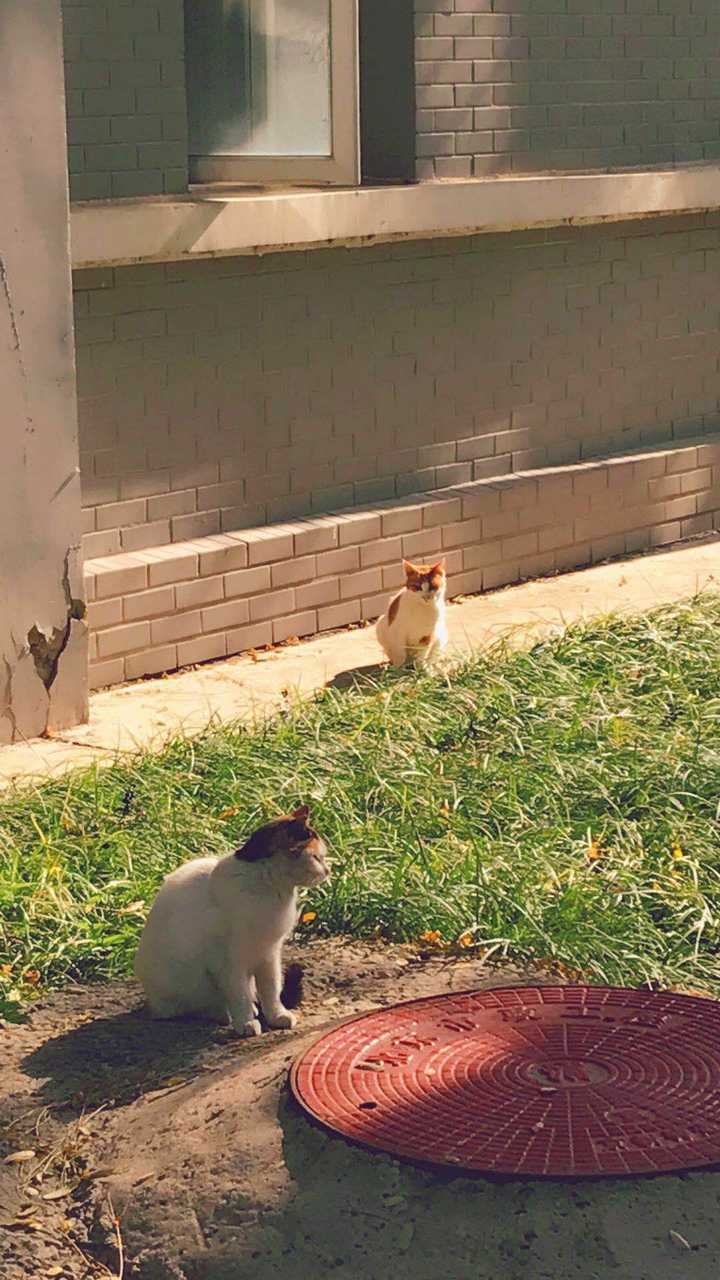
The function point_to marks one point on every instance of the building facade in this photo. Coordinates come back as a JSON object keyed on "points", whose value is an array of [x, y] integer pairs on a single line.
{"points": [[439, 278]]}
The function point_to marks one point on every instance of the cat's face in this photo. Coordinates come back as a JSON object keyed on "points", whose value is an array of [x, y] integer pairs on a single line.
{"points": [[297, 850], [427, 580], [303, 850]]}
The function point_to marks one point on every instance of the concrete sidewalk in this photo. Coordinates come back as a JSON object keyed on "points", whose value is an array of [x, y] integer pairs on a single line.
{"points": [[144, 715]]}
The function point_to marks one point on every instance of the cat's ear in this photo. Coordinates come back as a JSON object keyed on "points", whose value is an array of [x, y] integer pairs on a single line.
{"points": [[408, 567], [259, 846], [302, 813], [439, 567]]}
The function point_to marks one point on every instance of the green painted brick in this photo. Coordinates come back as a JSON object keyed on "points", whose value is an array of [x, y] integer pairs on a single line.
{"points": [[165, 100], [125, 90], [88, 129], [136, 128], [138, 19], [135, 73], [112, 157], [107, 102], [86, 74], [147, 182], [90, 186], [154, 155], [592, 57]]}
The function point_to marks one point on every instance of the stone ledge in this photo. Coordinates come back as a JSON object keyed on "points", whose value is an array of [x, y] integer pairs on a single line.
{"points": [[168, 607], [219, 223]]}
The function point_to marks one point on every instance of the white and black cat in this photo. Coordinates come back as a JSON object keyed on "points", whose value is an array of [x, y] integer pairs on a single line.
{"points": [[212, 943], [414, 629]]}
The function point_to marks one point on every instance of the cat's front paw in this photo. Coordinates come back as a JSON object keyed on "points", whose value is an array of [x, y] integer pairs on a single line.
{"points": [[247, 1029], [283, 1020]]}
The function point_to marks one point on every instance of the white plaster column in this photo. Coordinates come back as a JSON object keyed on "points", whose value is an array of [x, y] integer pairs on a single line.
{"points": [[43, 637]]}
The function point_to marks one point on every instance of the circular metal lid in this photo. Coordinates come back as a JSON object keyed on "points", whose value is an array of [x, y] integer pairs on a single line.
{"points": [[536, 1081]]}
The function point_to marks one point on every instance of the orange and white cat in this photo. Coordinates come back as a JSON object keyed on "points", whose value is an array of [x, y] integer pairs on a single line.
{"points": [[413, 630]]}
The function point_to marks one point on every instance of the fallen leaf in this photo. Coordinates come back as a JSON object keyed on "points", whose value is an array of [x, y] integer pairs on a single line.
{"points": [[31, 976], [54, 1271], [433, 936], [309, 916], [132, 909], [59, 1194], [679, 1240], [173, 1081], [19, 1157], [232, 812], [466, 939], [96, 1175], [29, 1224], [593, 851]]}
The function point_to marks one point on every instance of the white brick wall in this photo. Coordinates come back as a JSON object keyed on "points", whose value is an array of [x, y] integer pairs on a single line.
{"points": [[272, 388], [492, 533], [522, 86], [125, 98]]}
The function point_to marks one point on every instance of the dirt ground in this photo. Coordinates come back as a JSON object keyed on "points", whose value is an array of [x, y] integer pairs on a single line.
{"points": [[168, 1151]]}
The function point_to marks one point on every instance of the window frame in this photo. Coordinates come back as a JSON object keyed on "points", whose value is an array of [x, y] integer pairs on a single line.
{"points": [[342, 166]]}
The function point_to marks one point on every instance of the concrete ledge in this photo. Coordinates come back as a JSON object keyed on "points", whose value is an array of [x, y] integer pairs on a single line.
{"points": [[113, 233], [169, 607]]}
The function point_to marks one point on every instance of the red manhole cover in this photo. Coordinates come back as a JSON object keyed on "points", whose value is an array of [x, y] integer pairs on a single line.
{"points": [[527, 1080]]}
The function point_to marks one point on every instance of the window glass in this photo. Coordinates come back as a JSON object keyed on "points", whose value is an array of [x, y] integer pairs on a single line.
{"points": [[259, 77]]}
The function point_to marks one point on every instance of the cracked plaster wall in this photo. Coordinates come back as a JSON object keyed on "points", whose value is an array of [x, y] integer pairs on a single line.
{"points": [[43, 635]]}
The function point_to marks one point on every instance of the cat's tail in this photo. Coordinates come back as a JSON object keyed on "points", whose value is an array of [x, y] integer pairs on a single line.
{"points": [[292, 992]]}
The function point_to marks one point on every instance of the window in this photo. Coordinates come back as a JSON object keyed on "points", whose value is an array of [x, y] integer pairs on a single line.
{"points": [[273, 90]]}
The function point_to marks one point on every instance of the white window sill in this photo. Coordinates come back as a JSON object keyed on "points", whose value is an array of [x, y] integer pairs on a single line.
{"points": [[219, 222]]}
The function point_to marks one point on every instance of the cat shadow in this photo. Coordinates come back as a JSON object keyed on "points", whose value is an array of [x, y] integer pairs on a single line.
{"points": [[117, 1058], [358, 677]]}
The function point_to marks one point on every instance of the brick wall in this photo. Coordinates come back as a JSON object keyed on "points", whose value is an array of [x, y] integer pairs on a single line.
{"points": [[155, 611], [125, 84], [502, 85], [522, 85], [225, 394]]}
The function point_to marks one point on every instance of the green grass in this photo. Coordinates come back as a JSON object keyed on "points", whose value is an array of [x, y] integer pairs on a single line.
{"points": [[461, 803]]}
